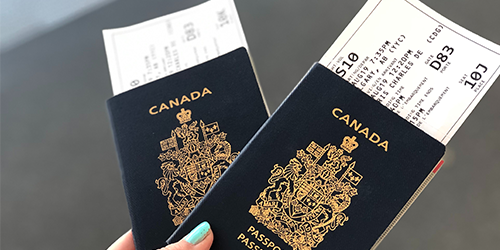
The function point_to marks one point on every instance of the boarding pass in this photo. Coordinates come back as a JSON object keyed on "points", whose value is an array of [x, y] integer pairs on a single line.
{"points": [[420, 65], [147, 51]]}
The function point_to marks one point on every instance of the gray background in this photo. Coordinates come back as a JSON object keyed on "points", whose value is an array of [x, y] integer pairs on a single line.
{"points": [[60, 182]]}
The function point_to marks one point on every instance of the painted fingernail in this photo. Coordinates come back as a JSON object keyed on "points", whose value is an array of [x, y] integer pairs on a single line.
{"points": [[198, 233]]}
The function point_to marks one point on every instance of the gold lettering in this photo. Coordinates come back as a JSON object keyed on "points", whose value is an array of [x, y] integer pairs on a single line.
{"points": [[255, 233], [258, 236], [271, 244], [184, 99], [384, 144], [175, 102], [241, 236], [162, 107], [205, 91], [245, 241], [374, 135], [345, 118], [153, 112], [355, 124], [172, 103], [261, 237], [365, 131], [334, 110], [195, 95]]}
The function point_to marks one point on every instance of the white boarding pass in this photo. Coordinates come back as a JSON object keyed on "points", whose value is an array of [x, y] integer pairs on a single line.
{"points": [[147, 51], [420, 65]]}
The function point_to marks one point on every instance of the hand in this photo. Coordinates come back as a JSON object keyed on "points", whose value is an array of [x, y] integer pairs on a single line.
{"points": [[199, 238]]}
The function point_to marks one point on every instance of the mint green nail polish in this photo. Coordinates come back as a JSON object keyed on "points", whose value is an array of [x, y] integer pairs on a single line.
{"points": [[198, 233]]}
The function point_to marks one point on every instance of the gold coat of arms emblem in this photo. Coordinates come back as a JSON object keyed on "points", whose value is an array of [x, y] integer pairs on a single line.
{"points": [[191, 168], [307, 198]]}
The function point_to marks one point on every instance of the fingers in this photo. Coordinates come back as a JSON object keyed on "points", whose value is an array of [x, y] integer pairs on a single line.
{"points": [[125, 242], [200, 238]]}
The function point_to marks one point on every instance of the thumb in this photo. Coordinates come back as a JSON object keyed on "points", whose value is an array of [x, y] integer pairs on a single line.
{"points": [[200, 238]]}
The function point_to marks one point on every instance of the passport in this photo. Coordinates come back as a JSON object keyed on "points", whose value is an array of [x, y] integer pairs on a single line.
{"points": [[176, 136], [332, 168]]}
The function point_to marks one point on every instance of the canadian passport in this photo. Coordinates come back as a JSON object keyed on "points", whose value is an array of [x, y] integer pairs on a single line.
{"points": [[177, 135], [330, 169]]}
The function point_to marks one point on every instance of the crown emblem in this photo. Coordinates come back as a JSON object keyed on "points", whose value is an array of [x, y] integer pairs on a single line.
{"points": [[192, 160], [349, 144], [309, 196], [184, 116]]}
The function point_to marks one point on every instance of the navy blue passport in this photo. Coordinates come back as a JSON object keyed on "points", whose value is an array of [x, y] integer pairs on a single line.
{"points": [[177, 135], [330, 169]]}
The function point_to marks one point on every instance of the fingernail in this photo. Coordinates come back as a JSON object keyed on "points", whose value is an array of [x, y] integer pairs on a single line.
{"points": [[198, 233]]}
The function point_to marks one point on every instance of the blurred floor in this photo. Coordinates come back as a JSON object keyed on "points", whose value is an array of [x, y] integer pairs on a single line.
{"points": [[60, 182], [23, 20]]}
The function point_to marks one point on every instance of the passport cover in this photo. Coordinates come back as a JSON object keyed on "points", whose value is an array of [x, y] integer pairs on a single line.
{"points": [[177, 135], [331, 169]]}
